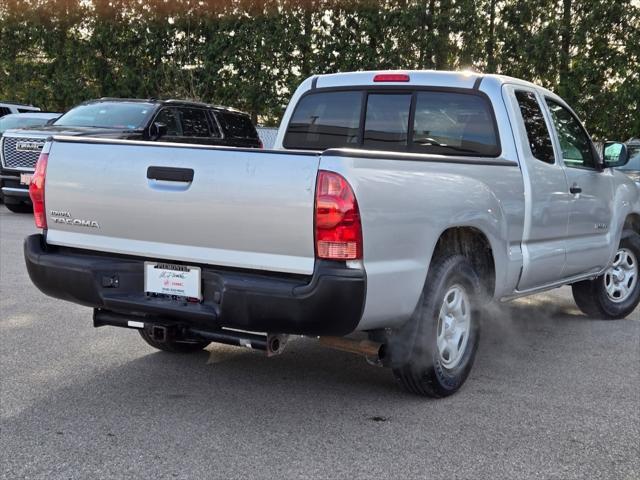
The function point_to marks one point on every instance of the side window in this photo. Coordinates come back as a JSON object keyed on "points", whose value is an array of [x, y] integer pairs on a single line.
{"points": [[534, 124], [169, 117], [386, 123], [325, 120], [449, 123], [4, 111], [25, 110], [194, 122], [239, 126], [574, 141]]}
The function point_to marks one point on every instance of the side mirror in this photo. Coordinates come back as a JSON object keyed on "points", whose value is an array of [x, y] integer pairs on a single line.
{"points": [[157, 130], [614, 154]]}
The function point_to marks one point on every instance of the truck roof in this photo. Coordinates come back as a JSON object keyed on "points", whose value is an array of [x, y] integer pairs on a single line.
{"points": [[16, 104], [435, 78], [170, 101]]}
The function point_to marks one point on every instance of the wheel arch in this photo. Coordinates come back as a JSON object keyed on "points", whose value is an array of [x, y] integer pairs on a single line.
{"points": [[632, 222], [474, 244]]}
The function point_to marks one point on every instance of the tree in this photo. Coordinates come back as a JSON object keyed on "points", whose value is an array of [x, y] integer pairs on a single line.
{"points": [[252, 54]]}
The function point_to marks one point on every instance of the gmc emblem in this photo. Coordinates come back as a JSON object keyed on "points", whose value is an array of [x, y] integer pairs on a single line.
{"points": [[29, 146]]}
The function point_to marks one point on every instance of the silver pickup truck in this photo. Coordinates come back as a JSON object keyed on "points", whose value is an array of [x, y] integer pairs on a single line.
{"points": [[393, 208]]}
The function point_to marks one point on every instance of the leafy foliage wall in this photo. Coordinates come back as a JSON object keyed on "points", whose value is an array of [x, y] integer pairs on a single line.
{"points": [[251, 54]]}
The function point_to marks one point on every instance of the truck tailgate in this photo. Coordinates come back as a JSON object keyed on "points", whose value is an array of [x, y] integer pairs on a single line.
{"points": [[243, 208]]}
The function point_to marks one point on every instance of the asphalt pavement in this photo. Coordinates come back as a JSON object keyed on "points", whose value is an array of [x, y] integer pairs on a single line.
{"points": [[553, 394]]}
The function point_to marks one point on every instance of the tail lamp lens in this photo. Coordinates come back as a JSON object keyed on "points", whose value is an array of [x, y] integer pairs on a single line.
{"points": [[338, 228], [36, 191]]}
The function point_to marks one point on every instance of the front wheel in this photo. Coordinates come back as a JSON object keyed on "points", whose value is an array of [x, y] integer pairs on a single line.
{"points": [[445, 340], [616, 293]]}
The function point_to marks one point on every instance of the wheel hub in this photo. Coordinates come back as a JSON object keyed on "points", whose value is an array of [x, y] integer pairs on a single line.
{"points": [[454, 324], [621, 277]]}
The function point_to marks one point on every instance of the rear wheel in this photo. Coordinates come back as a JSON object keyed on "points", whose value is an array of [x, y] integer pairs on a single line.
{"points": [[616, 293], [19, 207], [446, 335], [171, 344]]}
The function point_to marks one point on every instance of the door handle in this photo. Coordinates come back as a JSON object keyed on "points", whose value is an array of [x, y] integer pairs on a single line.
{"points": [[170, 174], [575, 189]]}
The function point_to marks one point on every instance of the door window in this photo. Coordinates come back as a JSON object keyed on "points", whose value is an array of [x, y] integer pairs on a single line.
{"points": [[169, 117], [537, 131], [574, 141]]}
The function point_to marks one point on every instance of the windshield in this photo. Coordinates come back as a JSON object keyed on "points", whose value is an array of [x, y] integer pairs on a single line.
{"points": [[634, 159], [122, 115], [18, 122]]}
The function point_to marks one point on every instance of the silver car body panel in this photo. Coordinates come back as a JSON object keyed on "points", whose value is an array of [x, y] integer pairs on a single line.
{"points": [[254, 209], [406, 205]]}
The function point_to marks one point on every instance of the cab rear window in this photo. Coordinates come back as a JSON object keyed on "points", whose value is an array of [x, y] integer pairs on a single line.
{"points": [[325, 120], [437, 122]]}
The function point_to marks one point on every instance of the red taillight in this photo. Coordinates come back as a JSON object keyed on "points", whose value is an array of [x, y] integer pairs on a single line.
{"points": [[36, 191], [391, 77], [338, 228]]}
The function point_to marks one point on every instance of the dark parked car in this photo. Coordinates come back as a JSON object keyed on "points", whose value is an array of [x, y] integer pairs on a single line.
{"points": [[23, 120], [7, 108], [130, 119]]}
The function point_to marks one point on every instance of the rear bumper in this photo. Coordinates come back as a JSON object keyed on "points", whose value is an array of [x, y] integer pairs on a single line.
{"points": [[330, 302]]}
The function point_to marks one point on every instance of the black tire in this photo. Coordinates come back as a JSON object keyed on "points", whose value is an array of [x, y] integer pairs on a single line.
{"points": [[172, 345], [424, 371], [592, 298], [19, 207]]}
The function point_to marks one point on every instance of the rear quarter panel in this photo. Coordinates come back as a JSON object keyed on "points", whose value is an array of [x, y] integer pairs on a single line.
{"points": [[406, 205]]}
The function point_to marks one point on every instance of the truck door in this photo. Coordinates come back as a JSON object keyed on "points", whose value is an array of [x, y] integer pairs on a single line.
{"points": [[547, 196], [589, 238]]}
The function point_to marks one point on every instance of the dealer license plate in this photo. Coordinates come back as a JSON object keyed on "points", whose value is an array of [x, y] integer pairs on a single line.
{"points": [[25, 178], [168, 279]]}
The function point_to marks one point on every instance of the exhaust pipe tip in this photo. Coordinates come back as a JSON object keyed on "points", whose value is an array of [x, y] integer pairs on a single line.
{"points": [[276, 344]]}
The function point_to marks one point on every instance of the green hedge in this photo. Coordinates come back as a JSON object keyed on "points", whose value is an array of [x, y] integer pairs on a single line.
{"points": [[251, 55]]}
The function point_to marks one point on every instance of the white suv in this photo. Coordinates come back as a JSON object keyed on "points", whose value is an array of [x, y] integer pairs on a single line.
{"points": [[11, 107]]}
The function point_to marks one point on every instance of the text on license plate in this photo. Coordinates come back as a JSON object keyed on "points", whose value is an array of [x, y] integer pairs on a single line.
{"points": [[168, 279], [25, 178]]}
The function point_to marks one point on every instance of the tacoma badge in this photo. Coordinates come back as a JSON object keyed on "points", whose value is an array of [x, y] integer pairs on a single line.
{"points": [[61, 216]]}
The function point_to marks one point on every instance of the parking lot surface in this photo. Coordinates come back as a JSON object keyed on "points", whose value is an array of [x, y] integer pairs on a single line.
{"points": [[553, 394]]}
